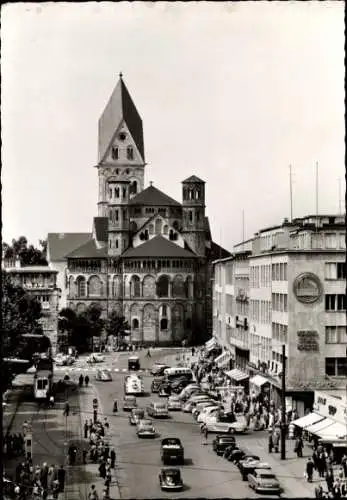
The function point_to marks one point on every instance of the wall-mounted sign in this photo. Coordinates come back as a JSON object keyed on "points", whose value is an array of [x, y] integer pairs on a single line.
{"points": [[330, 406], [307, 288], [308, 340]]}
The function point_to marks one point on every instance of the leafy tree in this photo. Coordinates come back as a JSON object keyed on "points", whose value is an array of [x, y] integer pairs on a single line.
{"points": [[80, 328], [20, 313], [117, 325], [28, 255]]}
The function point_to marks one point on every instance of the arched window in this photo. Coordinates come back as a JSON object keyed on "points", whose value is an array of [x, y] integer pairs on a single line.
{"points": [[151, 229], [116, 215], [81, 287], [135, 323], [115, 153], [72, 288], [130, 153], [124, 192], [158, 226], [133, 187], [163, 286], [164, 310], [94, 287], [197, 194], [165, 229], [175, 225], [135, 287], [190, 216], [178, 286], [189, 288], [116, 192]]}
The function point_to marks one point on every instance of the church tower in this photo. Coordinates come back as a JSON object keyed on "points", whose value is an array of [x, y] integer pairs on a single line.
{"points": [[193, 231], [121, 155]]}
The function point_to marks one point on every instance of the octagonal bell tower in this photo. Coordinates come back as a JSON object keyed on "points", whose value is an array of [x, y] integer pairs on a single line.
{"points": [[193, 231]]}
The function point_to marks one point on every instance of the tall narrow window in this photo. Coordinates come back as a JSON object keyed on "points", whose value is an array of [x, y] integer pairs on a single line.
{"points": [[116, 192], [115, 153], [130, 153], [190, 216], [116, 215], [124, 192]]}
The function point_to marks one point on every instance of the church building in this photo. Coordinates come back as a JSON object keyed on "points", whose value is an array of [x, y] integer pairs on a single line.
{"points": [[148, 256]]}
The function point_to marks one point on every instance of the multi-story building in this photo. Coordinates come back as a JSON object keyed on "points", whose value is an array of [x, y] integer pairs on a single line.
{"points": [[148, 256], [297, 298], [41, 283]]}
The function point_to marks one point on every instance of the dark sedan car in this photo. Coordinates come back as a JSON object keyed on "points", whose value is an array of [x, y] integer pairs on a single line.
{"points": [[234, 454], [249, 466], [170, 479], [179, 384], [158, 369], [221, 443], [136, 415], [164, 390], [156, 383]]}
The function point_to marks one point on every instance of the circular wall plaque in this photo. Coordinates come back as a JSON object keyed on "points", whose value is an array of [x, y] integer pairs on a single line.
{"points": [[307, 288]]}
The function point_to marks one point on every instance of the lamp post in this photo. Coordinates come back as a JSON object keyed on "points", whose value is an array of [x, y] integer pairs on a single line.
{"points": [[283, 405]]}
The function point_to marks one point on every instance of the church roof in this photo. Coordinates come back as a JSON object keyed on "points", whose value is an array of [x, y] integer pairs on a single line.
{"points": [[193, 178], [88, 250], [207, 228], [101, 228], [120, 107], [217, 252], [153, 197], [60, 244], [158, 247]]}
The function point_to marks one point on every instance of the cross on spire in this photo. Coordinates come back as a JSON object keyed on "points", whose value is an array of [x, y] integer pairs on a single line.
{"points": [[120, 75], [151, 183]]}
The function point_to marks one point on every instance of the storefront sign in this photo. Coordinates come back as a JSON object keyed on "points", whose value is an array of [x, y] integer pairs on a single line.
{"points": [[308, 340], [307, 288], [330, 407]]}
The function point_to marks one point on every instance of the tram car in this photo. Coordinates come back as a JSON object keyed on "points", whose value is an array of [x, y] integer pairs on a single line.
{"points": [[43, 382]]}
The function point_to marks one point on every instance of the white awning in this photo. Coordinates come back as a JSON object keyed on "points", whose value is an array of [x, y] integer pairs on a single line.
{"points": [[210, 343], [22, 380], [223, 359], [236, 375], [334, 431], [309, 419], [259, 381], [317, 428]]}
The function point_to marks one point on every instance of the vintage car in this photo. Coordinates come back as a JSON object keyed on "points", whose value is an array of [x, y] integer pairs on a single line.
{"points": [[171, 449], [249, 466], [164, 390], [136, 415], [221, 443], [156, 383], [95, 357], [104, 375], [129, 403], [248, 457], [157, 410], [174, 403], [179, 384], [145, 429], [158, 369], [261, 480], [170, 479], [133, 363], [234, 454], [213, 424]]}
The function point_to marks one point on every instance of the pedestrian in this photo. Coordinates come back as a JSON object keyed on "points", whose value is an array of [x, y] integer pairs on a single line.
{"points": [[309, 470], [66, 409], [337, 489], [106, 424], [86, 428], [329, 479], [318, 491], [113, 458], [72, 454], [298, 447], [102, 470], [84, 456], [148, 355], [86, 380], [115, 406], [55, 489], [344, 465], [80, 380], [61, 478], [206, 433]]}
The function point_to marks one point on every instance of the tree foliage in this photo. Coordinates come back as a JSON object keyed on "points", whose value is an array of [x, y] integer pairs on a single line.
{"points": [[117, 325], [27, 254], [21, 313], [81, 327]]}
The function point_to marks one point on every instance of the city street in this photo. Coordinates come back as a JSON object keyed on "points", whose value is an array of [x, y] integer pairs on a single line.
{"points": [[138, 461]]}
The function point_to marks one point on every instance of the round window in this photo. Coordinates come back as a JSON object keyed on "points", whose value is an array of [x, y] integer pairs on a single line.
{"points": [[122, 136]]}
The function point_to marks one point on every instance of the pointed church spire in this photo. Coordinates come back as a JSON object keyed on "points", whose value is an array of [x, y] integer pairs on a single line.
{"points": [[120, 107]]}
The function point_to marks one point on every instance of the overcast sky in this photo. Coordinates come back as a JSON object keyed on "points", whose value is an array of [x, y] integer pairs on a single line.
{"points": [[230, 92]]}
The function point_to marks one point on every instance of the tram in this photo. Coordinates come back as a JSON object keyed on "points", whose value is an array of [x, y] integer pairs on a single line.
{"points": [[43, 378]]}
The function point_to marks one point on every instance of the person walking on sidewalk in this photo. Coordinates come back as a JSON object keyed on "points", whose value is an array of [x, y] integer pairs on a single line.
{"points": [[66, 409], [113, 458], [344, 465], [86, 380], [298, 447], [86, 428], [93, 494], [309, 470], [61, 478]]}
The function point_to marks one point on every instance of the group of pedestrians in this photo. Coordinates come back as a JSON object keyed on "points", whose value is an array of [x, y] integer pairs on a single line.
{"points": [[101, 453], [82, 380], [36, 482], [13, 445], [323, 462]]}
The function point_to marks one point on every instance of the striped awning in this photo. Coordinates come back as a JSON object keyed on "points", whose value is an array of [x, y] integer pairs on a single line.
{"points": [[223, 359], [211, 344], [236, 375], [319, 428], [309, 419]]}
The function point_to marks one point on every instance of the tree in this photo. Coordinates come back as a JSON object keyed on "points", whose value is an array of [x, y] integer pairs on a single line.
{"points": [[28, 255], [117, 325], [80, 328], [21, 313]]}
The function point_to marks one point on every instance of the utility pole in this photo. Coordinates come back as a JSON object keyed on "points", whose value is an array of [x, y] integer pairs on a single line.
{"points": [[291, 192], [283, 415]]}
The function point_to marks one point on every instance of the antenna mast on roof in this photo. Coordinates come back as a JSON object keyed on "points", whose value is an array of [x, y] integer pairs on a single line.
{"points": [[316, 195], [291, 192], [243, 226]]}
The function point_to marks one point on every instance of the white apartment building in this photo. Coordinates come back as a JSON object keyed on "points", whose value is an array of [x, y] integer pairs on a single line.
{"points": [[286, 286]]}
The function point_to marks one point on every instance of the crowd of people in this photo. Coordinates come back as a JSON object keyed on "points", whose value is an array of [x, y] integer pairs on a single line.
{"points": [[13, 445]]}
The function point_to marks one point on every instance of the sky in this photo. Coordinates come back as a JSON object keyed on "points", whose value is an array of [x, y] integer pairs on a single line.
{"points": [[231, 92]]}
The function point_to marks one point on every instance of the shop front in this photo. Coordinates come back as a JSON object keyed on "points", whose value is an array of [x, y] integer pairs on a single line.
{"points": [[224, 361], [238, 378], [259, 386]]}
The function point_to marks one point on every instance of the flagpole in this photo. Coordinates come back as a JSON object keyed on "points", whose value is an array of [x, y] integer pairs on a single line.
{"points": [[291, 192], [316, 194], [243, 226]]}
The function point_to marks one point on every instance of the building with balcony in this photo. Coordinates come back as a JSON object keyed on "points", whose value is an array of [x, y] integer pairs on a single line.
{"points": [[296, 296], [148, 256], [41, 283]]}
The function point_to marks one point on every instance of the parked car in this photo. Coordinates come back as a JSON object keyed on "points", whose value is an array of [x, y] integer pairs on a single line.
{"points": [[95, 357], [158, 368], [156, 383], [174, 403], [157, 410], [190, 389], [129, 403], [134, 363], [221, 443], [180, 383], [248, 457], [234, 454], [249, 466], [261, 480], [170, 479], [209, 403], [171, 449], [136, 415], [164, 390], [145, 428], [214, 425], [104, 375], [209, 411]]}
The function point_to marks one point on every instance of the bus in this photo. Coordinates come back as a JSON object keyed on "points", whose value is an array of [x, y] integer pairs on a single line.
{"points": [[134, 386], [178, 371]]}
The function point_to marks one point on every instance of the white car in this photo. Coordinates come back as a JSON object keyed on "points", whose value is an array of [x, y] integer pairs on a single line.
{"points": [[174, 403], [95, 357], [210, 411], [61, 359], [214, 425]]}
